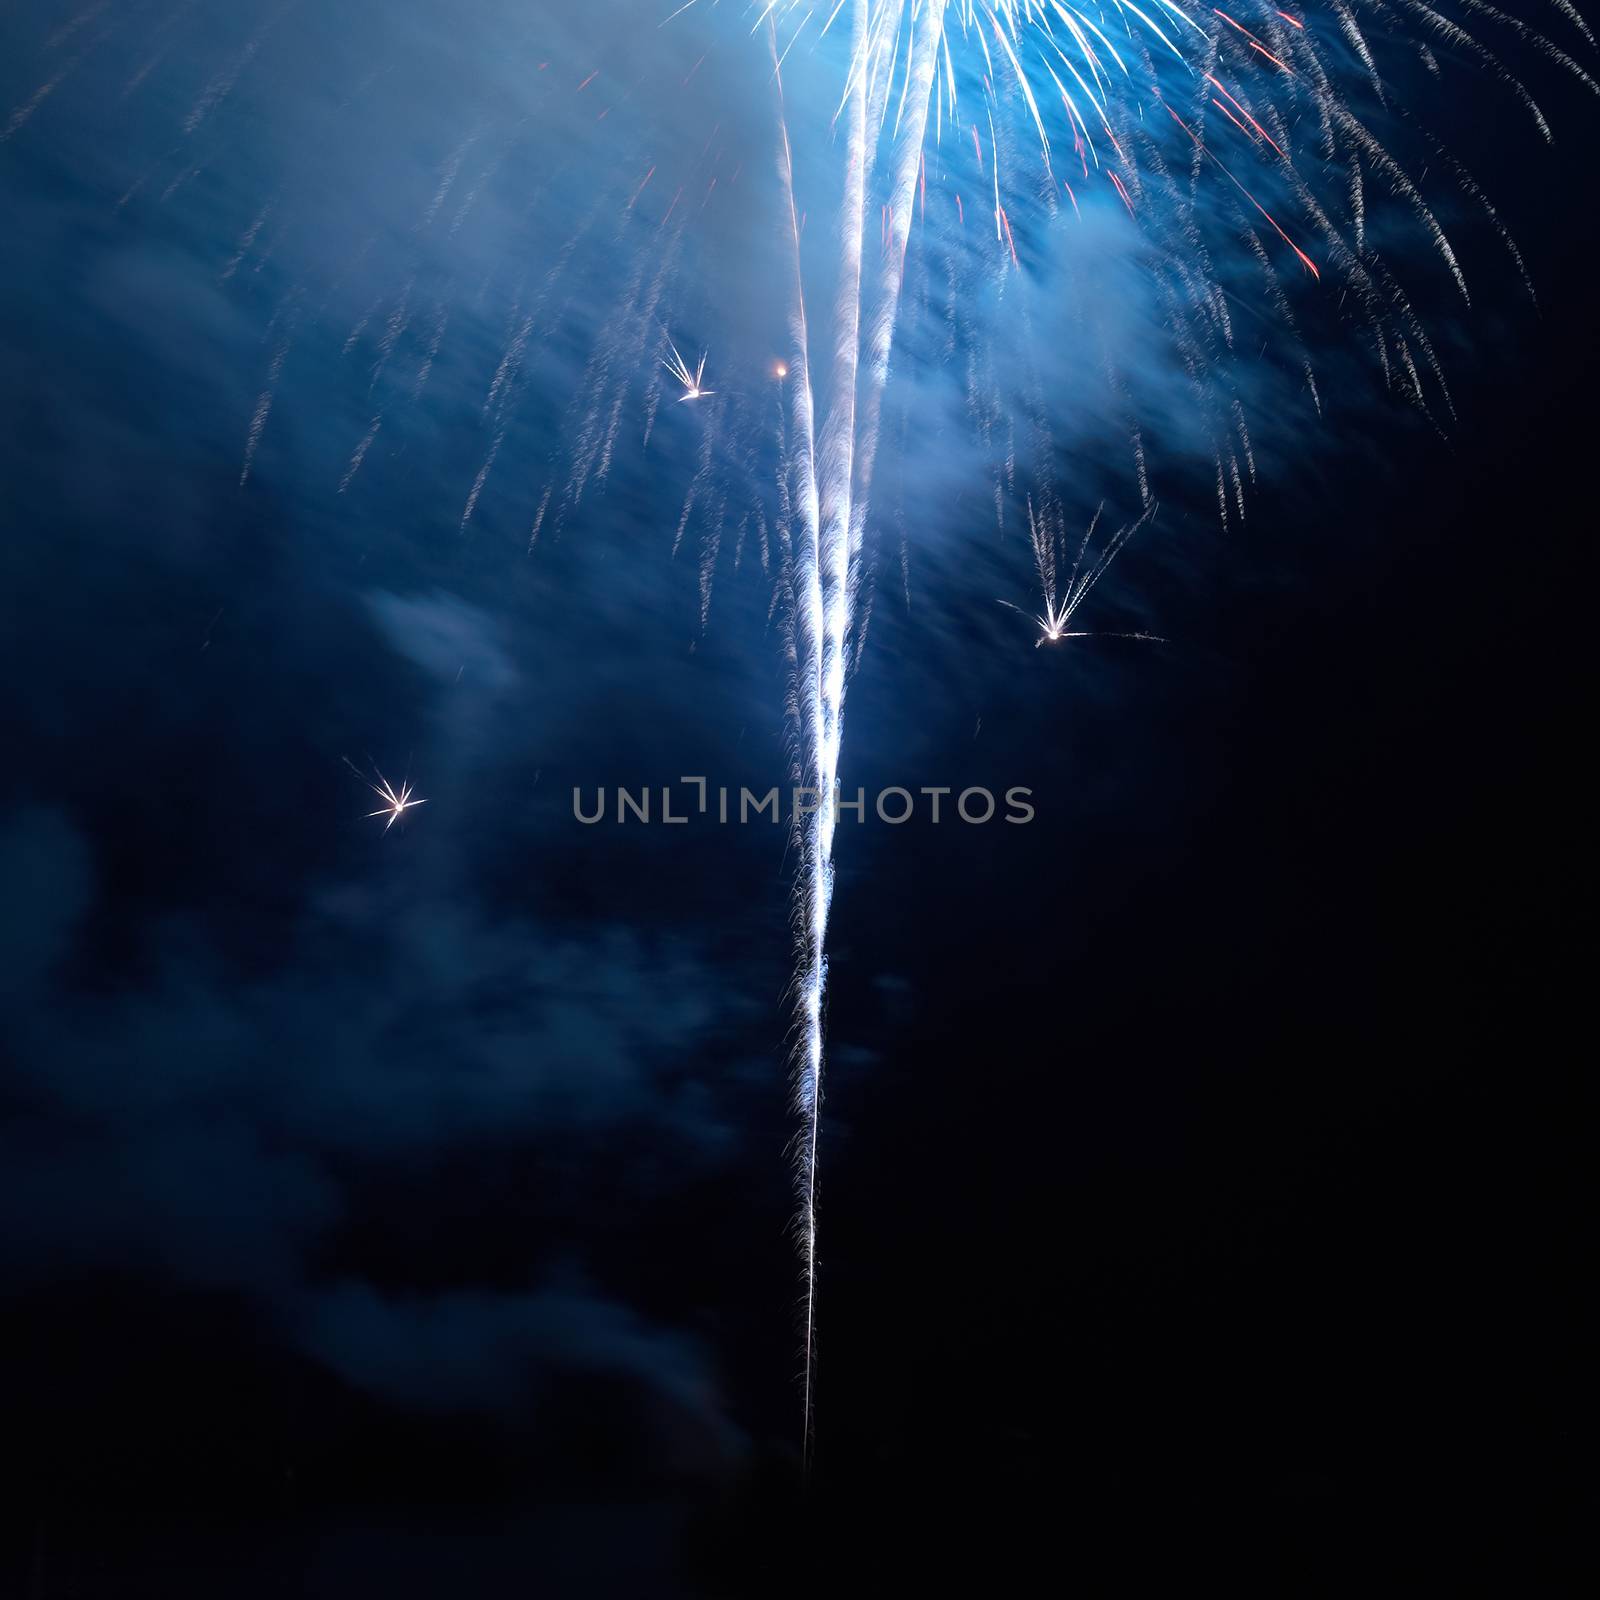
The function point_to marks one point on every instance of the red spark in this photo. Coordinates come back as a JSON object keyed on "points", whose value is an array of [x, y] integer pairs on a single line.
{"points": [[1251, 120], [1255, 43], [1010, 242]]}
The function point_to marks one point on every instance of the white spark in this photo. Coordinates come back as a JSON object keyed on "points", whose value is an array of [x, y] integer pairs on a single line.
{"points": [[692, 381], [396, 802]]}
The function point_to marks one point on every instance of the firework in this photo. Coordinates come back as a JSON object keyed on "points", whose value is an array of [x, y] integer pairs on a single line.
{"points": [[396, 802], [692, 378], [1044, 534], [1229, 162], [1211, 130]]}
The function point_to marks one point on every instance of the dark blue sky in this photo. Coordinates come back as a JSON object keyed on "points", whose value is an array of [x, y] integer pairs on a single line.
{"points": [[435, 1178]]}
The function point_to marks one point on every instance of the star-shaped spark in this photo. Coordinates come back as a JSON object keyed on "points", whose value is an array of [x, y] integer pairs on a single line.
{"points": [[690, 377], [1059, 612], [395, 802]]}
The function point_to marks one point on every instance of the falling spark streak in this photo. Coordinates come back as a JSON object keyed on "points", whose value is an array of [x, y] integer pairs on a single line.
{"points": [[824, 618], [20, 116]]}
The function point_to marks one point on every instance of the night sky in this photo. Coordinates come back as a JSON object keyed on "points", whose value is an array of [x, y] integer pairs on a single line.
{"points": [[407, 1210]]}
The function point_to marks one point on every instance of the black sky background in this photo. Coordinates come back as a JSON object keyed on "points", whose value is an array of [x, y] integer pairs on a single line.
{"points": [[409, 1211]]}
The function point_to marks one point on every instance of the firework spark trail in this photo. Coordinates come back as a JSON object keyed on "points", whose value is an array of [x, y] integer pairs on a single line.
{"points": [[922, 65], [833, 485], [19, 117], [222, 84], [247, 242], [836, 448], [258, 420], [644, 315], [822, 614], [798, 493], [360, 453], [431, 354], [511, 372]]}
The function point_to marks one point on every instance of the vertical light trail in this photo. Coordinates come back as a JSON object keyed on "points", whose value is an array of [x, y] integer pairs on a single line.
{"points": [[808, 609], [830, 498], [829, 594], [921, 72]]}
